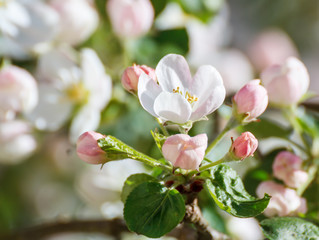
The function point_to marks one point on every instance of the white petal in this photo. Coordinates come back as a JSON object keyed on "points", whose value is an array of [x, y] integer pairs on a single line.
{"points": [[148, 90], [52, 111], [95, 79], [172, 71], [87, 119], [172, 107], [208, 87]]}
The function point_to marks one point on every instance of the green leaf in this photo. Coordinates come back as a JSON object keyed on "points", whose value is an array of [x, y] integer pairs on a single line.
{"points": [[159, 139], [117, 150], [201, 9], [153, 210], [289, 228], [133, 181], [228, 191], [308, 123], [266, 128], [159, 6]]}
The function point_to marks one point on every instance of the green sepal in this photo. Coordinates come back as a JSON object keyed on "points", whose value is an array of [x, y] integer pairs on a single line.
{"points": [[229, 193], [153, 210], [159, 139]]}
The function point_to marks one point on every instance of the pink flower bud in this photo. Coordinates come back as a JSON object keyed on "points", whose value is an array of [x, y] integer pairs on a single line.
{"points": [[244, 146], [283, 202], [18, 91], [131, 75], [251, 100], [88, 149], [287, 167], [184, 151], [130, 18], [286, 83]]}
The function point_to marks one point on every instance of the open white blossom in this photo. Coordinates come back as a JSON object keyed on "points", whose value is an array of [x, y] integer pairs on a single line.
{"points": [[64, 85], [178, 97]]}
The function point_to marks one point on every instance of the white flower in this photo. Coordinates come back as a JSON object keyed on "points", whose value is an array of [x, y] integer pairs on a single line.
{"points": [[25, 26], [178, 97], [65, 85]]}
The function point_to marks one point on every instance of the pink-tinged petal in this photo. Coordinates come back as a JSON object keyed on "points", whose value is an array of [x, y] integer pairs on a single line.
{"points": [[184, 151], [172, 71], [148, 90], [244, 146], [88, 149], [172, 107], [208, 87]]}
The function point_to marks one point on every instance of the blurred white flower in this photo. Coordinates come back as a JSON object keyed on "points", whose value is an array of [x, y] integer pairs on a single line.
{"points": [[25, 26], [78, 19], [18, 92], [238, 229], [65, 85], [16, 142]]}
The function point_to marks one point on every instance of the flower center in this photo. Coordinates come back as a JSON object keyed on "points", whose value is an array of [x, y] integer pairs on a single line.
{"points": [[77, 93], [189, 97]]}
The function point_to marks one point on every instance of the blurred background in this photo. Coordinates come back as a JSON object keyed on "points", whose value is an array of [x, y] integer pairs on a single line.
{"points": [[61, 67]]}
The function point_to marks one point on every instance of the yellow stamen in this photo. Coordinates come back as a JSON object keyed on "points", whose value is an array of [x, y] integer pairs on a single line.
{"points": [[190, 98]]}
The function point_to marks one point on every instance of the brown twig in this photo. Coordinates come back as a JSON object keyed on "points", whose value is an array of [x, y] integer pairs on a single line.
{"points": [[193, 215]]}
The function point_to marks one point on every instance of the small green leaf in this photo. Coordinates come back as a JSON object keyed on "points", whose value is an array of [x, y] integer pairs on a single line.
{"points": [[289, 228], [133, 181], [117, 150], [159, 139], [153, 210], [308, 123], [228, 191], [265, 128]]}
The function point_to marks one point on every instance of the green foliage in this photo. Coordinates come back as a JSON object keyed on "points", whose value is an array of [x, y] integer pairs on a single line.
{"points": [[201, 9], [159, 6], [132, 182], [153, 210], [308, 124], [266, 128], [159, 139], [289, 228], [228, 191]]}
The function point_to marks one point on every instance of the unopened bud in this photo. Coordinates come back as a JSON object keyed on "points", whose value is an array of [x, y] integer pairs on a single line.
{"points": [[131, 75], [244, 146], [251, 101], [88, 149]]}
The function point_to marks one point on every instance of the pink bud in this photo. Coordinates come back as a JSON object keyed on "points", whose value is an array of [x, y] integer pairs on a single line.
{"points": [[184, 151], [251, 100], [18, 91], [283, 202], [244, 146], [130, 18], [88, 149], [286, 83], [131, 75], [287, 167]]}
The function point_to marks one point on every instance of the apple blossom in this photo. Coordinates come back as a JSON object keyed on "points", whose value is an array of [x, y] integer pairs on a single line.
{"points": [[78, 19], [184, 151], [178, 97], [286, 83], [88, 149], [244, 146], [270, 47], [18, 92], [283, 202], [16, 141], [251, 100], [65, 84], [131, 75], [130, 18], [287, 167]]}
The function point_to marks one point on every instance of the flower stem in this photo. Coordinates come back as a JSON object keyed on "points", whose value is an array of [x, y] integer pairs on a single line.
{"points": [[165, 132], [311, 176], [207, 166], [230, 125]]}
